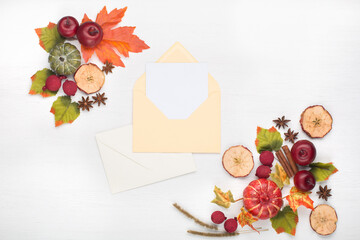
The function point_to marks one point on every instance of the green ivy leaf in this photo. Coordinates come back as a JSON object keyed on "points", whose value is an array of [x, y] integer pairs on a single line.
{"points": [[64, 110], [285, 221], [322, 171], [223, 199], [268, 140], [38, 82], [49, 36]]}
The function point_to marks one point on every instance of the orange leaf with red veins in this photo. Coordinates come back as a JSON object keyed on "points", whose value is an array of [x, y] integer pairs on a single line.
{"points": [[245, 218], [86, 19], [296, 198], [105, 52], [116, 41], [87, 53], [111, 19]]}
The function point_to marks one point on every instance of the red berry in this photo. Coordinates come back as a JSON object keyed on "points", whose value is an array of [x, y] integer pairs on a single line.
{"points": [[218, 217], [267, 158], [231, 225], [67, 26], [69, 88], [263, 171], [89, 34], [53, 83]]}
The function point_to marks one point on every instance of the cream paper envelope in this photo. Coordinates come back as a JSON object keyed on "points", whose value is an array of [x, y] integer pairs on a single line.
{"points": [[154, 132], [127, 170]]}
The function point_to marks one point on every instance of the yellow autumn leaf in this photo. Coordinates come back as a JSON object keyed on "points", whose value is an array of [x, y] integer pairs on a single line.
{"points": [[279, 176], [245, 218], [223, 199], [296, 198]]}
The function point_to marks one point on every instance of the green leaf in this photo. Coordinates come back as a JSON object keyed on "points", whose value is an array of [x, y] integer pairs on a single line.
{"points": [[38, 82], [64, 110], [268, 140], [285, 221], [279, 176], [322, 171], [223, 199], [49, 36]]}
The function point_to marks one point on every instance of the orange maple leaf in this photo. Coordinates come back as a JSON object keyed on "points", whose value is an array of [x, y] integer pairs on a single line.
{"points": [[296, 198], [245, 218], [116, 41]]}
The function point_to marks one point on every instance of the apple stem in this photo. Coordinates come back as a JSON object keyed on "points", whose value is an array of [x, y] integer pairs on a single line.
{"points": [[238, 199], [67, 23], [93, 31]]}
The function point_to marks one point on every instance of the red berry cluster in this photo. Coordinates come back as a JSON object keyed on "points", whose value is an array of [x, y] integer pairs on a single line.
{"points": [[266, 158], [230, 225], [53, 83]]}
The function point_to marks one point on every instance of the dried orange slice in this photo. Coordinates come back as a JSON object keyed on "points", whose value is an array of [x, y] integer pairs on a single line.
{"points": [[323, 219], [89, 78], [316, 121], [238, 161]]}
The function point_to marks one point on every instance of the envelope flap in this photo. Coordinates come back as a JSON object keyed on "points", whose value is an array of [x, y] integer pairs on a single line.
{"points": [[111, 139], [176, 54]]}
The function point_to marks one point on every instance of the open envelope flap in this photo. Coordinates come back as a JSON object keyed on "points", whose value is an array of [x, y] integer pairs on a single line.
{"points": [[127, 170], [176, 54]]}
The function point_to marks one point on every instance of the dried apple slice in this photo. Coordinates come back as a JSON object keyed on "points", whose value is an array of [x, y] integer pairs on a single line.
{"points": [[238, 161], [323, 219], [89, 78], [316, 121]]}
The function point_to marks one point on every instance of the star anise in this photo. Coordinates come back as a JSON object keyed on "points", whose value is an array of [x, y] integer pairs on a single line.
{"points": [[281, 122], [100, 98], [85, 104], [107, 68], [290, 136], [324, 192]]}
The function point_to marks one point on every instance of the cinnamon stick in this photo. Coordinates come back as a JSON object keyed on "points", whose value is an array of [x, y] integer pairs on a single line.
{"points": [[283, 163], [291, 160], [292, 173]]}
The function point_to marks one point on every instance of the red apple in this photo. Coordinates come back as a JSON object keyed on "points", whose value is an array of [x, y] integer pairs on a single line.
{"points": [[89, 34], [67, 26], [304, 180], [303, 152]]}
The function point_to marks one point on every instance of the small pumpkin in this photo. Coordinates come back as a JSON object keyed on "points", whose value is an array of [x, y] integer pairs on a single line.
{"points": [[262, 198], [64, 59]]}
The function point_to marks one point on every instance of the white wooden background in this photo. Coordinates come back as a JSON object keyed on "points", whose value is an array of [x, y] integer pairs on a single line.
{"points": [[271, 58]]}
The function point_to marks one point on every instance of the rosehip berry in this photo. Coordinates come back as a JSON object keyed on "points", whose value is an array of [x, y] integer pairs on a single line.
{"points": [[267, 158], [53, 83], [263, 171], [218, 217], [69, 88], [231, 225]]}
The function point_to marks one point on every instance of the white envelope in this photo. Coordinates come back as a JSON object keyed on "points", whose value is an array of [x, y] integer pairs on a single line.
{"points": [[127, 170]]}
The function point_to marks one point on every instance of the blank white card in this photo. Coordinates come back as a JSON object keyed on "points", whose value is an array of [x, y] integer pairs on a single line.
{"points": [[177, 89]]}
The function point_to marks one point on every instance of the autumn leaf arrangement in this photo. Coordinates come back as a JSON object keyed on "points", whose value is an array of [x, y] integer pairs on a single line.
{"points": [[71, 69], [263, 198]]}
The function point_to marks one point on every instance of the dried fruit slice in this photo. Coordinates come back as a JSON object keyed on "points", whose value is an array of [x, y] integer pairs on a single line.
{"points": [[323, 219], [238, 161], [316, 121], [89, 78]]}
